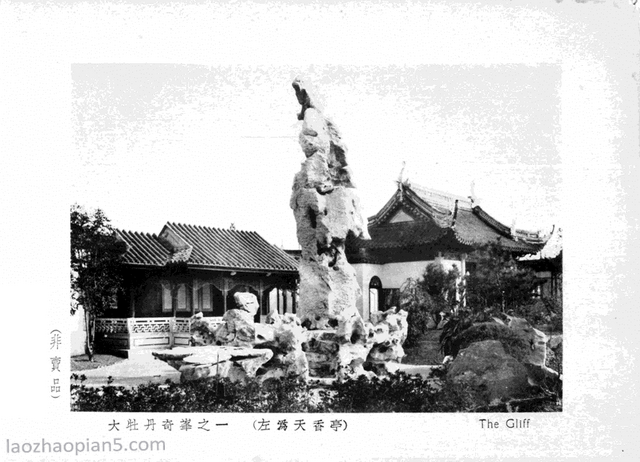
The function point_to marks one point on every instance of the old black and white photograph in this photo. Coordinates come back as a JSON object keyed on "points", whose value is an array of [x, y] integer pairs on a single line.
{"points": [[410, 225], [438, 304]]}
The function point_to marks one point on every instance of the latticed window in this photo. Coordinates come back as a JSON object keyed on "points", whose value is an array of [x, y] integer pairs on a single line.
{"points": [[167, 303], [181, 298], [202, 296]]}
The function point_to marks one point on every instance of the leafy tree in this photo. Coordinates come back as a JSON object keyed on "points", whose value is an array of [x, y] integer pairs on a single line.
{"points": [[427, 297], [498, 283], [415, 301], [441, 286], [96, 255]]}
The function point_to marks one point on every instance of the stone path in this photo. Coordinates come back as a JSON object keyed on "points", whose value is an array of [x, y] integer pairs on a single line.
{"points": [[131, 372]]}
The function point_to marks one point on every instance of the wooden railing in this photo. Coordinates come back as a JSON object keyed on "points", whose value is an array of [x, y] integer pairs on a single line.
{"points": [[149, 325], [131, 334]]}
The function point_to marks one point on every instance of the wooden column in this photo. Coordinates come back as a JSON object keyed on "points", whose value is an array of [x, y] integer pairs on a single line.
{"points": [[225, 292], [260, 289], [463, 274], [278, 296], [294, 301], [194, 295], [132, 302], [284, 301]]}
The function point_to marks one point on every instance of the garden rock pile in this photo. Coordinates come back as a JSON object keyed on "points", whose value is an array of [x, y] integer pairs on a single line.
{"points": [[495, 373], [329, 338], [356, 347], [238, 348], [235, 363], [536, 339], [237, 328], [537, 360], [488, 369], [244, 349]]}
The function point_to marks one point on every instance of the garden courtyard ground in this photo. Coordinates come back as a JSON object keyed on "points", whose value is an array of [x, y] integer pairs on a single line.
{"points": [[425, 352], [109, 369], [135, 382]]}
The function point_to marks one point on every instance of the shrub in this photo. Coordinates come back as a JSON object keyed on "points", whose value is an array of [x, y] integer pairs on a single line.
{"points": [[418, 305], [514, 343], [498, 281], [535, 312], [395, 393], [197, 396], [426, 297], [459, 322], [542, 312], [463, 329], [554, 306]]}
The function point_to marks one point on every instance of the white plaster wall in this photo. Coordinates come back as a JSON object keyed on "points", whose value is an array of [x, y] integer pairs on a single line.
{"points": [[77, 333], [392, 276], [396, 273]]}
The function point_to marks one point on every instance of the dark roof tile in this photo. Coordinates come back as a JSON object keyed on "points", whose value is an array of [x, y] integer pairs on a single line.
{"points": [[209, 247], [437, 212], [402, 235], [143, 249]]}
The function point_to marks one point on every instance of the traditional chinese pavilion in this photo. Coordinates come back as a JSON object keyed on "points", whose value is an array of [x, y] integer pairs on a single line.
{"points": [[186, 270], [418, 226]]}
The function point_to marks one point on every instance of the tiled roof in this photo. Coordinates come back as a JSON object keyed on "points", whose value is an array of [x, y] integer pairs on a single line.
{"points": [[438, 215], [551, 250], [206, 247], [402, 235], [143, 249], [473, 229]]}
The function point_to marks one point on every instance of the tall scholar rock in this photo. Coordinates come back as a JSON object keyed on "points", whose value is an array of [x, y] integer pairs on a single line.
{"points": [[326, 207], [329, 338]]}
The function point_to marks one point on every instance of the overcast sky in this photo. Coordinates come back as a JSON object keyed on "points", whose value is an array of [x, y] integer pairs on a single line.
{"points": [[213, 146]]}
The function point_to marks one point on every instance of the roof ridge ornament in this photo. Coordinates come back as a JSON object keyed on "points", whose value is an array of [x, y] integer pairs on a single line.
{"points": [[401, 174], [513, 229], [473, 198], [401, 182]]}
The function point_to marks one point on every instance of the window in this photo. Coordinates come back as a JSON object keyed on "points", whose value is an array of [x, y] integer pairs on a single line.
{"points": [[182, 298], [202, 296], [167, 305], [182, 302]]}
